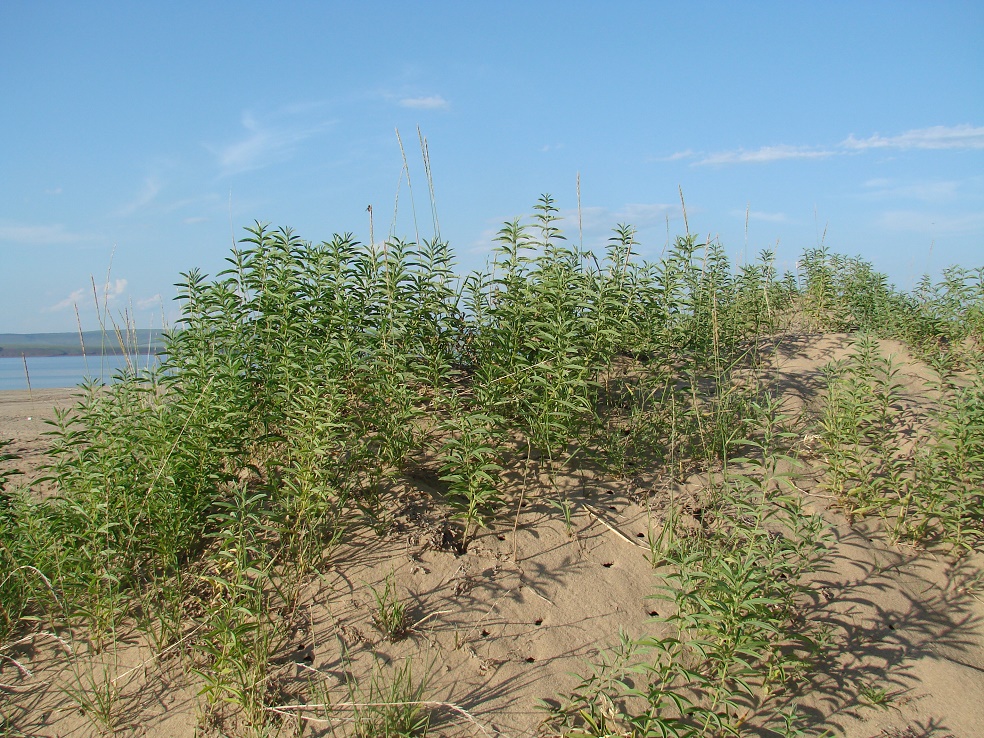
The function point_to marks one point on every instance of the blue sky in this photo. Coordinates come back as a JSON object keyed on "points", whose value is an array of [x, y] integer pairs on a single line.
{"points": [[136, 138]]}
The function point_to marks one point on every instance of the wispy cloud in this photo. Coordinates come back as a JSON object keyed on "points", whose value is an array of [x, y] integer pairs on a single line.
{"points": [[935, 137], [484, 243], [39, 235], [53, 191], [884, 189], [264, 142], [150, 302], [149, 190], [965, 137], [645, 214], [766, 154], [72, 299], [761, 216], [428, 102], [248, 151], [593, 217], [110, 292], [932, 224], [597, 220], [688, 154]]}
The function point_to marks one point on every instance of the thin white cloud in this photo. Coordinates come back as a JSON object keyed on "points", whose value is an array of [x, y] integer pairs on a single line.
{"points": [[936, 137], [248, 151], [592, 217], [113, 289], [150, 302], [884, 189], [428, 102], [597, 220], [109, 292], [194, 219], [761, 216], [38, 235], [148, 192], [551, 147], [73, 299], [263, 143], [484, 243], [53, 191], [932, 224], [644, 214], [962, 137], [206, 203], [688, 154], [766, 154]]}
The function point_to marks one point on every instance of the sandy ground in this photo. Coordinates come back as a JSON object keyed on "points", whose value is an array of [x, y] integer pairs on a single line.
{"points": [[513, 620], [25, 418]]}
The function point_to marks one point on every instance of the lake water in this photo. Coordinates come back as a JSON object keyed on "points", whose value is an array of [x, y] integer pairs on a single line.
{"points": [[52, 372]]}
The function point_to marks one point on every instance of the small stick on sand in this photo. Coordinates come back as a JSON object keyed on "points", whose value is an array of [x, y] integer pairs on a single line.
{"points": [[597, 516]]}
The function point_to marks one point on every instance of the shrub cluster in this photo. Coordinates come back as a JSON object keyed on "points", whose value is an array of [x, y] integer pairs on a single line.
{"points": [[303, 380]]}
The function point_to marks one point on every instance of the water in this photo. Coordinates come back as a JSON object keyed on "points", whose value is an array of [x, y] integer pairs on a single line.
{"points": [[52, 372]]}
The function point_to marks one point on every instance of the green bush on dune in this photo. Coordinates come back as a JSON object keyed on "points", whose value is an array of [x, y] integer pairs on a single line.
{"points": [[303, 380]]}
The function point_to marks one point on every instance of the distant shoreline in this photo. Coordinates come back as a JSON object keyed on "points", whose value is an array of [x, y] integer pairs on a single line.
{"points": [[136, 342], [36, 352], [46, 397]]}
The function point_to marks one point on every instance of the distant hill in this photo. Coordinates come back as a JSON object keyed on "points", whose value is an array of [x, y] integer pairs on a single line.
{"points": [[140, 341]]}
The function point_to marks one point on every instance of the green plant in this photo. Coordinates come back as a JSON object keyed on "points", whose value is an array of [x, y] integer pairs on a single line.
{"points": [[16, 548], [241, 630], [394, 706], [932, 494], [468, 467], [391, 616], [599, 704], [942, 499], [6, 473], [875, 696], [859, 427], [95, 692], [566, 509], [737, 588], [301, 381]]}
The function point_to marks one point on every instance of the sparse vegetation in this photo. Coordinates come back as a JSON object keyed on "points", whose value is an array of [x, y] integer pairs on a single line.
{"points": [[391, 615], [200, 503]]}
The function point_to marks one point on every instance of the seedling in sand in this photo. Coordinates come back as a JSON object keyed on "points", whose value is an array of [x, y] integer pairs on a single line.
{"points": [[391, 616]]}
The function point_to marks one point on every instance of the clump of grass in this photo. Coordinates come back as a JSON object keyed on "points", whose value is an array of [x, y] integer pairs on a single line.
{"points": [[6, 472], [390, 616], [96, 694], [394, 705]]}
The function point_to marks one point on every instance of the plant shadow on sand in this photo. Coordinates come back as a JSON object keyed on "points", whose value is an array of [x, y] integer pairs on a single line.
{"points": [[892, 619]]}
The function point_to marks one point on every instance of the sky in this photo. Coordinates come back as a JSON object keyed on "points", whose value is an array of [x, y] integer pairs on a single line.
{"points": [[137, 140]]}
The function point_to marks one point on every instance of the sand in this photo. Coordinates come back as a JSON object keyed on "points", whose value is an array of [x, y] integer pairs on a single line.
{"points": [[512, 621], [25, 418]]}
